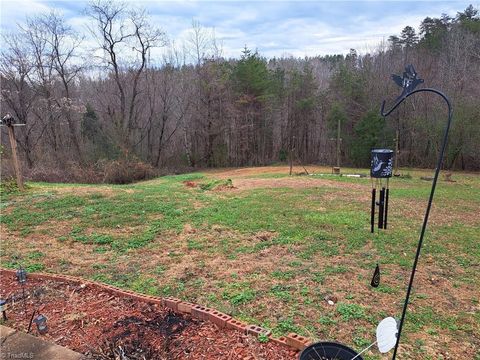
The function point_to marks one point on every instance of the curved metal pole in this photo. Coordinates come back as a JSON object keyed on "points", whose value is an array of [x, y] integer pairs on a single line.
{"points": [[430, 200]]}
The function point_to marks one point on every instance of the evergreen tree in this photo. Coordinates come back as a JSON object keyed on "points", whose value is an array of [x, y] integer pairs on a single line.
{"points": [[99, 144], [395, 43], [408, 37], [367, 136]]}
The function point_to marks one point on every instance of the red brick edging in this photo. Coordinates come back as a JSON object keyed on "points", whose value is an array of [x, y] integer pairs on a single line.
{"points": [[197, 311]]}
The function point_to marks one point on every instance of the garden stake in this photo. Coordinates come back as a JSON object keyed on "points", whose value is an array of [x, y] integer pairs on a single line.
{"points": [[408, 82], [31, 320]]}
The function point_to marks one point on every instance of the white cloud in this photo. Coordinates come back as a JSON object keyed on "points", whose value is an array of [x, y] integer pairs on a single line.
{"points": [[274, 28], [15, 11]]}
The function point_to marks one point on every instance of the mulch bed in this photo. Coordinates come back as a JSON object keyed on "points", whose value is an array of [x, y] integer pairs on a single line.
{"points": [[88, 319]]}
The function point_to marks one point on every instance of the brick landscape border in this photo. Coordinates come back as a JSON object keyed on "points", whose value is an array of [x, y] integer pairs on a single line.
{"points": [[292, 340]]}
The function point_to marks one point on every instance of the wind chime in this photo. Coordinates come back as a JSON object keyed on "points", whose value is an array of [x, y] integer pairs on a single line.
{"points": [[380, 173]]}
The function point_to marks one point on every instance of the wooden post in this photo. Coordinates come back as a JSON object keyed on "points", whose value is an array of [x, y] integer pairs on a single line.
{"points": [[16, 163], [395, 166], [290, 160], [338, 143]]}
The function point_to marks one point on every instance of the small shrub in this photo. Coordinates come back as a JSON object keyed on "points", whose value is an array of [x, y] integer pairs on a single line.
{"points": [[216, 184], [126, 171], [263, 338], [9, 186], [351, 311]]}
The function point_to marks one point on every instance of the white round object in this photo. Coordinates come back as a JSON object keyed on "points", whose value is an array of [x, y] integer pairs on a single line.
{"points": [[387, 331]]}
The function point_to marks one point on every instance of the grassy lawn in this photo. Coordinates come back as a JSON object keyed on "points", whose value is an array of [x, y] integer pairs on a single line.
{"points": [[269, 250]]}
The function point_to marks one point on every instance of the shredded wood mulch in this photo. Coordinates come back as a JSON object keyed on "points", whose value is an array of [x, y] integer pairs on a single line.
{"points": [[88, 319]]}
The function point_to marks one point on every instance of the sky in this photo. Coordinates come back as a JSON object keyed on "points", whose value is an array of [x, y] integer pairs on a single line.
{"points": [[274, 28]]}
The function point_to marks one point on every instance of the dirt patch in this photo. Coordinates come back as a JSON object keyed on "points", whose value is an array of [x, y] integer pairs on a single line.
{"points": [[265, 170], [441, 213], [77, 257], [103, 191], [90, 320], [294, 183]]}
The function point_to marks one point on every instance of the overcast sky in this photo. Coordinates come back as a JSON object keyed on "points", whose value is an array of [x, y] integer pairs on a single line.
{"points": [[275, 28]]}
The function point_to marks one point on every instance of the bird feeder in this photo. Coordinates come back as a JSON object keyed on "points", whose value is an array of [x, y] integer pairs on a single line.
{"points": [[381, 170], [41, 322]]}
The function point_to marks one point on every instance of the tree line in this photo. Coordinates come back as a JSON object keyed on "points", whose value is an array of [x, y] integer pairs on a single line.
{"points": [[191, 107]]}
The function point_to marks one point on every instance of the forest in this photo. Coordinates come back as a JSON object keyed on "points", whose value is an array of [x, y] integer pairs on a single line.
{"points": [[119, 113]]}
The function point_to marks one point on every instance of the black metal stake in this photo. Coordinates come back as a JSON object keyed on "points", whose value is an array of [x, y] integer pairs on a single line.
{"points": [[31, 320], [410, 81]]}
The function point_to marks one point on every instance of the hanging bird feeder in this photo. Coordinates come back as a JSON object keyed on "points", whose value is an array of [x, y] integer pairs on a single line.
{"points": [[381, 170]]}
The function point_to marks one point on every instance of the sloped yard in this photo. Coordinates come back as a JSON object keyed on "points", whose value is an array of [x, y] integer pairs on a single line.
{"points": [[268, 249]]}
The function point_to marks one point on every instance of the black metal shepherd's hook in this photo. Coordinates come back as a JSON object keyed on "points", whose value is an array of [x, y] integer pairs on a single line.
{"points": [[408, 82]]}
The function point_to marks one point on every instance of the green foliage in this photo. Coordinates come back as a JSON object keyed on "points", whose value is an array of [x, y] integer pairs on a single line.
{"points": [[336, 114], [408, 37], [9, 187], [101, 144], [238, 293], [138, 225], [34, 267], [285, 326], [368, 133], [263, 338], [350, 83], [212, 184], [351, 311], [434, 32], [251, 78], [470, 19]]}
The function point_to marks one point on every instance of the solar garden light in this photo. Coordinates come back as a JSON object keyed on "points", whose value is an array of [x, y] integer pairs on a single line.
{"points": [[41, 322], [21, 276], [3, 309], [408, 83]]}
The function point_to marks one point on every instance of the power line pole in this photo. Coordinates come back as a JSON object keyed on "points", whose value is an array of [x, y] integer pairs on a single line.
{"points": [[397, 151], [338, 142], [338, 139], [7, 121]]}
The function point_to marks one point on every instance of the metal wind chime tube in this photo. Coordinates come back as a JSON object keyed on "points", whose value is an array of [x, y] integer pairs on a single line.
{"points": [[381, 168], [408, 82]]}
